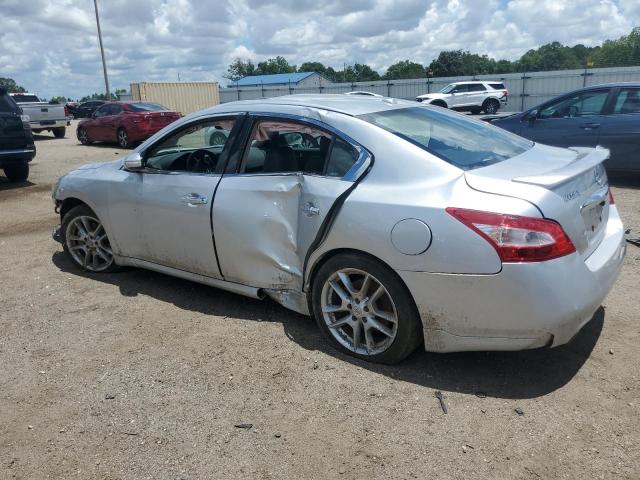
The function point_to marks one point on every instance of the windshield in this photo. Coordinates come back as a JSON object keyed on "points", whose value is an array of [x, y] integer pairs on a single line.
{"points": [[450, 136], [146, 107], [448, 88]]}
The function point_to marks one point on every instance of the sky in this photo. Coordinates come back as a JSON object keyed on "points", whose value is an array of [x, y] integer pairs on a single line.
{"points": [[51, 48]]}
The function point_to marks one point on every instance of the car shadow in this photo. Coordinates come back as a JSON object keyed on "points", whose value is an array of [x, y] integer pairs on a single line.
{"points": [[5, 184], [508, 375]]}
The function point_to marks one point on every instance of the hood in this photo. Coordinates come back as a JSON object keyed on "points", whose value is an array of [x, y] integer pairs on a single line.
{"points": [[115, 164]]}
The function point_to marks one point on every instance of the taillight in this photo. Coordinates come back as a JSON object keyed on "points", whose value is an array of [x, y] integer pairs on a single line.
{"points": [[611, 201], [66, 111], [515, 238]]}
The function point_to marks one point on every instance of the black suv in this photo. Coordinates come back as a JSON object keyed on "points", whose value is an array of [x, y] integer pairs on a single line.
{"points": [[16, 141]]}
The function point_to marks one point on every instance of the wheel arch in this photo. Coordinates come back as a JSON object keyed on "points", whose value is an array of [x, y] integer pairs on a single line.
{"points": [[69, 203], [328, 255], [439, 103]]}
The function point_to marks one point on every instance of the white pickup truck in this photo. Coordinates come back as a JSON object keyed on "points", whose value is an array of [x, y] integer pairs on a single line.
{"points": [[43, 115]]}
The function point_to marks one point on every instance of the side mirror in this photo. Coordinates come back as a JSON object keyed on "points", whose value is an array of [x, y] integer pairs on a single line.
{"points": [[532, 115], [133, 162]]}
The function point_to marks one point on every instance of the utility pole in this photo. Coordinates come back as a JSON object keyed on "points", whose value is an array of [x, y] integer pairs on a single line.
{"points": [[104, 63]]}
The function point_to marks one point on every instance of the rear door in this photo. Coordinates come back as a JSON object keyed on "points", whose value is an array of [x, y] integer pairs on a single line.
{"points": [[620, 133], [476, 95], [270, 209], [572, 120], [12, 134]]}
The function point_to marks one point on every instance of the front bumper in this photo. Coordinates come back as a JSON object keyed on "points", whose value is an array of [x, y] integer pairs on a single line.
{"points": [[526, 305], [57, 234]]}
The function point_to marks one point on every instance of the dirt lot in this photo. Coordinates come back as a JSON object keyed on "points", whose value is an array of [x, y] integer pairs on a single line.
{"points": [[138, 375]]}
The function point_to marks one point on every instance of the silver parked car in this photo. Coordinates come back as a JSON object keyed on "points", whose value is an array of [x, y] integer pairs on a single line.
{"points": [[391, 223]]}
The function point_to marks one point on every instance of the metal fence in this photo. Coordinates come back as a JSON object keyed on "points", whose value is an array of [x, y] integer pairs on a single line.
{"points": [[525, 89]]}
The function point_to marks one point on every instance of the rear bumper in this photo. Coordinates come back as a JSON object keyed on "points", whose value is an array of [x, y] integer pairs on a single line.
{"points": [[44, 125], [524, 306], [16, 155]]}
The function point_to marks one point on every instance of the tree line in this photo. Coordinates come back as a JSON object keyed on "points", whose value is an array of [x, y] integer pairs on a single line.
{"points": [[623, 52]]}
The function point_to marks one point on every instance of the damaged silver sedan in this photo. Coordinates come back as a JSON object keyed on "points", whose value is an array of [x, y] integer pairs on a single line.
{"points": [[393, 224]]}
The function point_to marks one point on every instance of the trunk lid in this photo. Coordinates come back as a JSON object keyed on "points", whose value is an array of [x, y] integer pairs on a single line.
{"points": [[566, 185], [160, 119]]}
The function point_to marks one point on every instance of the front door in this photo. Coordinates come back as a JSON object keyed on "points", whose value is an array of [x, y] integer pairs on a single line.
{"points": [[181, 174], [268, 213], [574, 120]]}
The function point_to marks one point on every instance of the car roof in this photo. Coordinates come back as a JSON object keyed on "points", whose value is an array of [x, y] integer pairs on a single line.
{"points": [[347, 104], [611, 85], [476, 81]]}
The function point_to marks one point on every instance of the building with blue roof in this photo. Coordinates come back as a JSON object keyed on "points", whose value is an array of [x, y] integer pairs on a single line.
{"points": [[299, 79]]}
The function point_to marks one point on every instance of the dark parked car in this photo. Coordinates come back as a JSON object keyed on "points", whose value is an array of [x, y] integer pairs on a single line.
{"points": [[86, 109], [16, 141], [125, 123], [607, 115]]}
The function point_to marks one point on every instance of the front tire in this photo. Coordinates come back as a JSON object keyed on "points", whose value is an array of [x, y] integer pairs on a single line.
{"points": [[83, 136], [123, 138], [439, 103], [490, 106], [85, 240], [59, 132], [364, 309], [17, 172]]}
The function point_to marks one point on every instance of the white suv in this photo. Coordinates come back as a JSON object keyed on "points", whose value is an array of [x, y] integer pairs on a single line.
{"points": [[473, 96]]}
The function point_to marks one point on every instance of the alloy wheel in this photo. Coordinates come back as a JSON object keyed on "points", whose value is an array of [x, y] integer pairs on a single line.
{"points": [[83, 136], [359, 311], [88, 243], [123, 138]]}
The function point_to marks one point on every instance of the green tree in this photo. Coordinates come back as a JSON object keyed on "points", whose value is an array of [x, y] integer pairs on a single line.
{"points": [[59, 99], [240, 68], [275, 65], [11, 86], [405, 69], [624, 51], [358, 72], [313, 67]]}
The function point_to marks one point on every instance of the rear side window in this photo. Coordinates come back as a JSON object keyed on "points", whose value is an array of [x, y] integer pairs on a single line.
{"points": [[497, 86], [7, 105], [146, 107], [343, 157], [477, 87], [628, 101], [455, 139]]}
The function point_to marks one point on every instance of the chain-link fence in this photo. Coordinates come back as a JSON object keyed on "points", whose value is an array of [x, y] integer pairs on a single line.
{"points": [[525, 89]]}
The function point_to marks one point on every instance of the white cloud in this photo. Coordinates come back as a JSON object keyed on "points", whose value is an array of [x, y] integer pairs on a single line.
{"points": [[51, 46]]}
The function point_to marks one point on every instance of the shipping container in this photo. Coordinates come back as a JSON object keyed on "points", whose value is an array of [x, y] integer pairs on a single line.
{"points": [[183, 97]]}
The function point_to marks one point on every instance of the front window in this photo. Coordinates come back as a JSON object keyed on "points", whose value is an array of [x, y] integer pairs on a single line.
{"points": [[448, 88], [146, 107], [578, 105], [196, 148], [455, 139]]}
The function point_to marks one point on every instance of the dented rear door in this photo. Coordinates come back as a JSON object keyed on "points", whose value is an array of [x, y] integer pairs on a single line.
{"points": [[265, 224]]}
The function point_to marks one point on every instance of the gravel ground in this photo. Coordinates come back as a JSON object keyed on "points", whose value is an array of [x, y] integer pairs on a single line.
{"points": [[139, 375]]}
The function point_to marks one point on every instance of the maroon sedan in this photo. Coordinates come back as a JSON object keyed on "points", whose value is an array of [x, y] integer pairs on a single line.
{"points": [[124, 123]]}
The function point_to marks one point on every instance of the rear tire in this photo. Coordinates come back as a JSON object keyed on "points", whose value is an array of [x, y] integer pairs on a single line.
{"points": [[17, 172], [123, 138], [490, 106], [59, 132], [377, 317]]}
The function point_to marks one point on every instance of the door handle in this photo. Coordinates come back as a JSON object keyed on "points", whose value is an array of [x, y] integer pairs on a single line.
{"points": [[193, 199], [589, 126], [310, 209]]}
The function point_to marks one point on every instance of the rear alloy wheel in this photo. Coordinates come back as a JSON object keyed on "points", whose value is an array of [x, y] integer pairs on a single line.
{"points": [[490, 106], [83, 136], [85, 240], [365, 310], [123, 138], [17, 172], [59, 132]]}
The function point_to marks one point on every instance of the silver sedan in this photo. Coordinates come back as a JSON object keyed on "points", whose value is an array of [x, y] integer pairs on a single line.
{"points": [[394, 224]]}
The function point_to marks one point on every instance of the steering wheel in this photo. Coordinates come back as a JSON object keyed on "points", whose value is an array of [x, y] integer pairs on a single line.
{"points": [[201, 161]]}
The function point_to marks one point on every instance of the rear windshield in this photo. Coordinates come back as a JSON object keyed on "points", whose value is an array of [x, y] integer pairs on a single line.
{"points": [[7, 105], [25, 98], [146, 107], [497, 86], [450, 136]]}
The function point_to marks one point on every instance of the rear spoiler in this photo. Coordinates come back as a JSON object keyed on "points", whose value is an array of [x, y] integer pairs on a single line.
{"points": [[586, 159]]}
